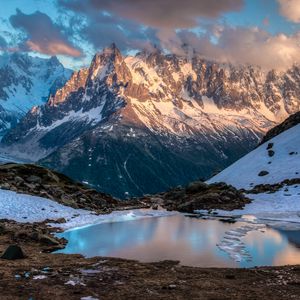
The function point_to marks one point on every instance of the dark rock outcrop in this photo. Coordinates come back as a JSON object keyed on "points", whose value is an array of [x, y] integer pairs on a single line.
{"points": [[13, 252], [200, 196], [290, 122]]}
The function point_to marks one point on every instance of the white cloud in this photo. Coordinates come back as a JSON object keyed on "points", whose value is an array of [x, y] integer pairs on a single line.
{"points": [[290, 9]]}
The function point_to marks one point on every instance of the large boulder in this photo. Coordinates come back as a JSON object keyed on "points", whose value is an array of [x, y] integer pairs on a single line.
{"points": [[13, 252]]}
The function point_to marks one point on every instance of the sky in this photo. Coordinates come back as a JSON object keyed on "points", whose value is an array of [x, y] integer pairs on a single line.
{"points": [[259, 32]]}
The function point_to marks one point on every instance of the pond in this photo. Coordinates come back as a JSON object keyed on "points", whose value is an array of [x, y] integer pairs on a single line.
{"points": [[192, 241]]}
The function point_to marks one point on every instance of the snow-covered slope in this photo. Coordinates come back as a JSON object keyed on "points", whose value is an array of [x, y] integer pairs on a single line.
{"points": [[26, 81], [279, 157]]}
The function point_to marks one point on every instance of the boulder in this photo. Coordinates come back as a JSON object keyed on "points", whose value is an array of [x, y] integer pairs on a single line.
{"points": [[5, 186], [2, 229], [48, 240], [13, 252], [196, 187], [34, 179], [263, 173]]}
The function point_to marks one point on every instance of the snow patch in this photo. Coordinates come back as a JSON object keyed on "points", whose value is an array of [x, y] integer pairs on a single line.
{"points": [[25, 208]]}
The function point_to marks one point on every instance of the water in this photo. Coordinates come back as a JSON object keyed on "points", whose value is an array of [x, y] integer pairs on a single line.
{"points": [[193, 242]]}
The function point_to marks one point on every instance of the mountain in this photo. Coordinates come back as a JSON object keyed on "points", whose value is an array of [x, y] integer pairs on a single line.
{"points": [[26, 81], [140, 124], [270, 166]]}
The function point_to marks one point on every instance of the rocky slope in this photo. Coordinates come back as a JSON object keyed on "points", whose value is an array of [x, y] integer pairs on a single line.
{"points": [[35, 180], [135, 125], [26, 81]]}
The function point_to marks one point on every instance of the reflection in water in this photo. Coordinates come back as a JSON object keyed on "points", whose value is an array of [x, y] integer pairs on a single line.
{"points": [[292, 235], [191, 241]]}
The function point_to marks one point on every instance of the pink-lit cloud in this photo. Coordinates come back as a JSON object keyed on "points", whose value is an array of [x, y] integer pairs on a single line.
{"points": [[42, 35]]}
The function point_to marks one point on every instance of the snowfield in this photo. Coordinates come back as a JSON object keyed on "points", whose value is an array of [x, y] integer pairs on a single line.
{"points": [[284, 164], [25, 208]]}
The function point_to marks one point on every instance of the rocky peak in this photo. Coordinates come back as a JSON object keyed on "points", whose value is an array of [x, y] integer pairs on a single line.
{"points": [[103, 62], [110, 68], [77, 81], [53, 61]]}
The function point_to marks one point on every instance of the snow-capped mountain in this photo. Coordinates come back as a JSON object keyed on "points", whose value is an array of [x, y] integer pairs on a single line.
{"points": [[275, 161], [134, 125], [26, 81]]}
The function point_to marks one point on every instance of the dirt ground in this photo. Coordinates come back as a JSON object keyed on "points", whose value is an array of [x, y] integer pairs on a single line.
{"points": [[58, 276]]}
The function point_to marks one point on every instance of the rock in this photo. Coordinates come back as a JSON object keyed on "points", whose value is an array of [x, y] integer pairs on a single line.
{"points": [[2, 229], [22, 234], [196, 187], [155, 207], [13, 252], [157, 200], [263, 173], [187, 206], [48, 240], [271, 153], [18, 179], [5, 186], [60, 221], [34, 179]]}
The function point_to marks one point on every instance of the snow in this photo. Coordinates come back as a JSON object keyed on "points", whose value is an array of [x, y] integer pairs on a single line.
{"points": [[92, 116], [281, 206], [39, 277], [232, 242], [283, 165], [39, 78], [25, 208]]}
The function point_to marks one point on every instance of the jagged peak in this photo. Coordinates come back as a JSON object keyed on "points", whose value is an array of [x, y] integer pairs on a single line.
{"points": [[112, 51], [53, 60], [109, 57]]}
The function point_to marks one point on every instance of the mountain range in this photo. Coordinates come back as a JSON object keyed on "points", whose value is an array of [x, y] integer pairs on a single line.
{"points": [[130, 125]]}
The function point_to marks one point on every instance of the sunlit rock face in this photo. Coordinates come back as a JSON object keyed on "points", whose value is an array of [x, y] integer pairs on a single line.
{"points": [[134, 125], [26, 81]]}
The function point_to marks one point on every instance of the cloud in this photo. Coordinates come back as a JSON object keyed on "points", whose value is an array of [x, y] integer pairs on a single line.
{"points": [[139, 24], [246, 46], [290, 9], [101, 30], [158, 13], [183, 28], [42, 35]]}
